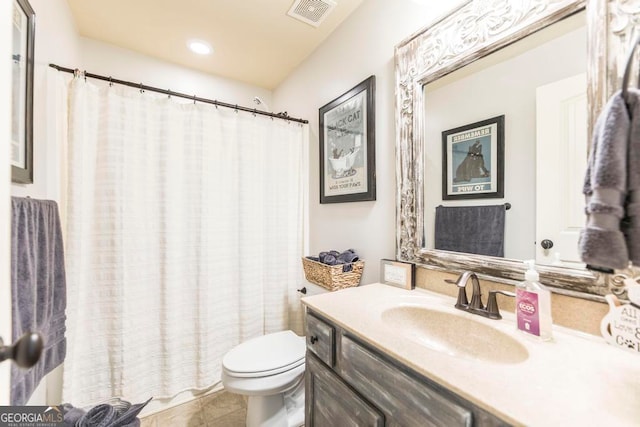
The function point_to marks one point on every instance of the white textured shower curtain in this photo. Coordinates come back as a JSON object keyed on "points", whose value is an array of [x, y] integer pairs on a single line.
{"points": [[184, 238]]}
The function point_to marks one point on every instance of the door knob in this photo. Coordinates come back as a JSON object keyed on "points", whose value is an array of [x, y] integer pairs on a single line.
{"points": [[25, 352], [546, 244]]}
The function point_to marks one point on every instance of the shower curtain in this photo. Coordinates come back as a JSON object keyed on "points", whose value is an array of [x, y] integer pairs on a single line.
{"points": [[184, 238]]}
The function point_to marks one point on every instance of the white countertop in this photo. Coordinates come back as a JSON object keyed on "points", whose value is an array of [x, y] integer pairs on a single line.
{"points": [[575, 380]]}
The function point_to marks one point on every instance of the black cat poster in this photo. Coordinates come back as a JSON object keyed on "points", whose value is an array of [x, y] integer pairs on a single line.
{"points": [[473, 160]]}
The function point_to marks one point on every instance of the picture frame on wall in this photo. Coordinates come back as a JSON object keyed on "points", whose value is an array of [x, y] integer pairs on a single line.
{"points": [[23, 36], [473, 160], [347, 146]]}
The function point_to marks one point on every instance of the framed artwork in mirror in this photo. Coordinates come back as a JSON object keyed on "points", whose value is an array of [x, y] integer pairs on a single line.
{"points": [[473, 160], [23, 32], [347, 146]]}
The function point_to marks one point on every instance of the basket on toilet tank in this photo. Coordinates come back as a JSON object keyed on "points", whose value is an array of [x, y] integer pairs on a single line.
{"points": [[332, 277]]}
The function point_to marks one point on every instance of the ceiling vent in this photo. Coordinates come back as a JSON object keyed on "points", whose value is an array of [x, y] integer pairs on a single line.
{"points": [[311, 12]]}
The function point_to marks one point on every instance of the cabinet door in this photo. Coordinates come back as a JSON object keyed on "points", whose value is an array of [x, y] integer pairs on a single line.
{"points": [[331, 403], [401, 397]]}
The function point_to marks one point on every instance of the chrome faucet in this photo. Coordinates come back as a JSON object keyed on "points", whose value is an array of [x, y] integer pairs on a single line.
{"points": [[491, 311]]}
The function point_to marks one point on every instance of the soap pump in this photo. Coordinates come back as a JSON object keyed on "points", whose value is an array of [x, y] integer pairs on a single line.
{"points": [[533, 305]]}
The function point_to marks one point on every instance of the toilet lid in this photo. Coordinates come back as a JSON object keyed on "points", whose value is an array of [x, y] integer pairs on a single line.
{"points": [[266, 353]]}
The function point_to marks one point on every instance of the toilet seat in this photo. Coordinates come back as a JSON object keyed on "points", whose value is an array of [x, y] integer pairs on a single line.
{"points": [[265, 356], [265, 373]]}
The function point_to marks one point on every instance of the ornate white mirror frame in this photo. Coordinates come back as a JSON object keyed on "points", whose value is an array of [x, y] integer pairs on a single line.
{"points": [[473, 30]]}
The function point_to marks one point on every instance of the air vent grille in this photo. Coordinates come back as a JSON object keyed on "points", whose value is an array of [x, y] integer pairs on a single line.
{"points": [[312, 12]]}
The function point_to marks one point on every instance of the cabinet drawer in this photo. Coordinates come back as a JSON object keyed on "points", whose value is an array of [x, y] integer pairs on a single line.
{"points": [[403, 399], [321, 339]]}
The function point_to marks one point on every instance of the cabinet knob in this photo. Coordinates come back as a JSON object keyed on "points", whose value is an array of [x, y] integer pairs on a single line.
{"points": [[313, 339]]}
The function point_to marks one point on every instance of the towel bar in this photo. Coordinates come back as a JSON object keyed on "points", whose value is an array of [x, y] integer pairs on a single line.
{"points": [[507, 206]]}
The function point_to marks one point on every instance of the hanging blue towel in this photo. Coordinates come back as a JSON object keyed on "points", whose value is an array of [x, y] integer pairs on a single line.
{"points": [[602, 243], [471, 229], [631, 224], [38, 288]]}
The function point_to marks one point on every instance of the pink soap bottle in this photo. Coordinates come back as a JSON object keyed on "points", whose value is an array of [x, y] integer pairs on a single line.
{"points": [[533, 305]]}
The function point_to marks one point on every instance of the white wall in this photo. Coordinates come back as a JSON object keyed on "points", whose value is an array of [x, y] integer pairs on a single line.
{"points": [[362, 46]]}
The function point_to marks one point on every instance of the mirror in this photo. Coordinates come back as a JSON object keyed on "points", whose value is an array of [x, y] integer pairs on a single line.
{"points": [[474, 30], [531, 83]]}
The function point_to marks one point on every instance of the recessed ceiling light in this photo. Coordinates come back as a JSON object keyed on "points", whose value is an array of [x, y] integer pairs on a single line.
{"points": [[200, 47]]}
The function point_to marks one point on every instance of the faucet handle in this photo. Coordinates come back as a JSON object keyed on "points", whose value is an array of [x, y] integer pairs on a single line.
{"points": [[462, 302], [492, 304], [476, 296]]}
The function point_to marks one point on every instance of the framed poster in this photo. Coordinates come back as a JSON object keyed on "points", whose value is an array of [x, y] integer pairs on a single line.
{"points": [[23, 32], [347, 146], [473, 161]]}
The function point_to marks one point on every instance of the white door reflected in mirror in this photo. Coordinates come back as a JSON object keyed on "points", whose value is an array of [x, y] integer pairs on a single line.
{"points": [[561, 161]]}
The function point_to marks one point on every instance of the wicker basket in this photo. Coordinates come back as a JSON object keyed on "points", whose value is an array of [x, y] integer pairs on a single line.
{"points": [[332, 277]]}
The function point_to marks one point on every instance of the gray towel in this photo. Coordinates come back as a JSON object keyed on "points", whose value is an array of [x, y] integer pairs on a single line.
{"points": [[38, 288], [631, 223], [114, 413], [471, 229], [602, 243]]}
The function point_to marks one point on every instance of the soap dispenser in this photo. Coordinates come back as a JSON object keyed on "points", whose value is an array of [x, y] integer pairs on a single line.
{"points": [[533, 305]]}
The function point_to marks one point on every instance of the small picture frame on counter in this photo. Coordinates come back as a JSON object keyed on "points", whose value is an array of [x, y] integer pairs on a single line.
{"points": [[397, 273]]}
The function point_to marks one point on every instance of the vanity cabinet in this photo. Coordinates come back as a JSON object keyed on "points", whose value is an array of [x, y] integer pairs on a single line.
{"points": [[349, 383]]}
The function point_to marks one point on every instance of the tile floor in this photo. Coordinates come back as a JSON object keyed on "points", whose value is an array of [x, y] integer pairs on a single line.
{"points": [[221, 409]]}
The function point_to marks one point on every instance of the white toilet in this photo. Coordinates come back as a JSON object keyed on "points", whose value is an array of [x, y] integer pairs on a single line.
{"points": [[270, 371]]}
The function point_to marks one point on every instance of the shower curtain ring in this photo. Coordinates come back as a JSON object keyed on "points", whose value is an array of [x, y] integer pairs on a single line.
{"points": [[169, 94], [215, 102], [141, 90], [236, 109], [110, 82], [254, 112], [194, 99]]}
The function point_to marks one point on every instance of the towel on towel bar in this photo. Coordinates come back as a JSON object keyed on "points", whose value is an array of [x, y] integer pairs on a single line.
{"points": [[38, 288], [602, 242], [470, 229]]}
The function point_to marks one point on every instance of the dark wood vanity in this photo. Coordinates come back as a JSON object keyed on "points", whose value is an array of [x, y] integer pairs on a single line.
{"points": [[349, 383]]}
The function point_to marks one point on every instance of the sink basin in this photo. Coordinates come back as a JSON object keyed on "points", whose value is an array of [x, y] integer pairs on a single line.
{"points": [[454, 334]]}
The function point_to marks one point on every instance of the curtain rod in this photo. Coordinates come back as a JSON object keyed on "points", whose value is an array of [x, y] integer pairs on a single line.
{"points": [[282, 116]]}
